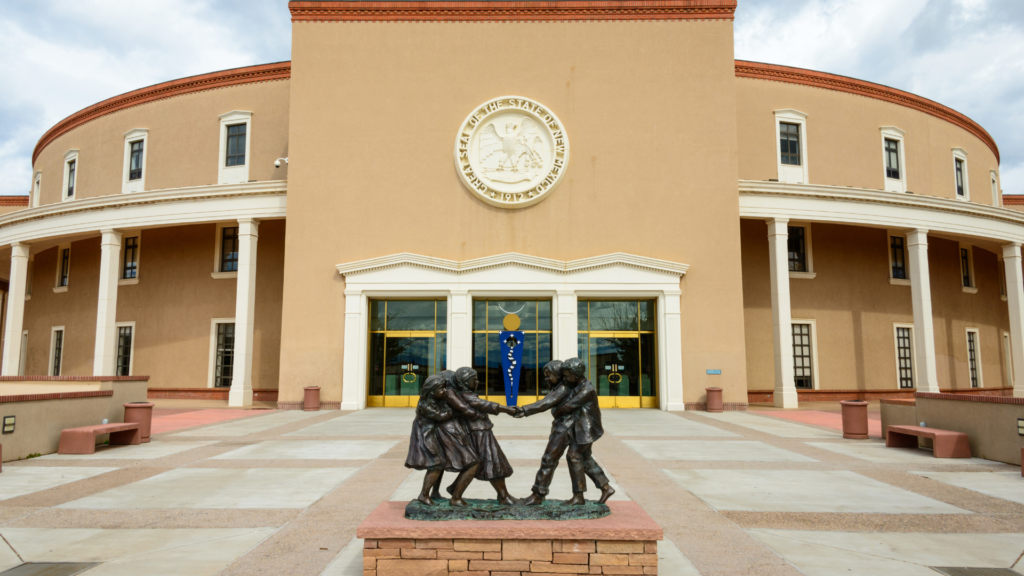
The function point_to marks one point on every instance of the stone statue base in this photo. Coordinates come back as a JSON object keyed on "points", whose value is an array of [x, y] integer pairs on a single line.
{"points": [[491, 510]]}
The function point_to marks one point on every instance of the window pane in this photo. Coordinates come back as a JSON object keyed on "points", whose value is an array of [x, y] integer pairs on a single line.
{"points": [[608, 316], [525, 309], [377, 364], [647, 315], [648, 366], [528, 375], [441, 352], [124, 351], [410, 315], [480, 360], [544, 315], [442, 315], [225, 355], [543, 357], [480, 316], [495, 381], [582, 316], [797, 250], [377, 314]]}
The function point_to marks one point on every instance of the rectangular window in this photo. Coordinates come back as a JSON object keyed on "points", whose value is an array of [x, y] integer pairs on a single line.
{"points": [[797, 249], [71, 178], [960, 189], [899, 257], [892, 159], [130, 269], [789, 143], [1002, 279], [65, 267], [225, 362], [535, 321], [905, 356], [802, 369], [229, 249], [965, 267], [124, 351], [972, 358], [617, 339], [58, 352], [408, 343], [236, 145], [135, 160]]}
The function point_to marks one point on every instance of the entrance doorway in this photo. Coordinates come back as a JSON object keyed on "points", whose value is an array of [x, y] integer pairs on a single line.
{"points": [[408, 342], [617, 339]]}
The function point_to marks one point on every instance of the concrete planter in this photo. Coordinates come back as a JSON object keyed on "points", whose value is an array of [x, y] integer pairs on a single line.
{"points": [[140, 413], [714, 399], [311, 398], [855, 419]]}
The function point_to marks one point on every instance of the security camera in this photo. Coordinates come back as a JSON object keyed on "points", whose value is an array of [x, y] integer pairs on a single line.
{"points": [[277, 163]]}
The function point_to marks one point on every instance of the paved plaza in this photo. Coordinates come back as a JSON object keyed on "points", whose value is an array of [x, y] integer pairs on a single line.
{"points": [[271, 492]]}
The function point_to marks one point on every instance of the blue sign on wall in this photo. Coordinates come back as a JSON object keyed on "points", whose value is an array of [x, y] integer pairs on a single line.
{"points": [[511, 362], [715, 372]]}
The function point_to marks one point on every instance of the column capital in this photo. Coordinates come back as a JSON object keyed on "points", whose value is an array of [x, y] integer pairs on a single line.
{"points": [[459, 292], [19, 250], [778, 226], [110, 236], [917, 236], [1011, 250]]}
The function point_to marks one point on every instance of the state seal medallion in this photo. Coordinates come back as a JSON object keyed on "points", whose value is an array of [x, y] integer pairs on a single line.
{"points": [[511, 152]]}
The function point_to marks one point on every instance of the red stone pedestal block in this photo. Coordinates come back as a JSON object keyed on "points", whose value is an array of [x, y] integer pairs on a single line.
{"points": [[625, 542], [855, 419], [714, 399], [311, 398], [140, 413]]}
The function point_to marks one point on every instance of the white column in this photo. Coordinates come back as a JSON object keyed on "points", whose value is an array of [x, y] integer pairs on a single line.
{"points": [[566, 342], [1015, 301], [15, 309], [353, 376], [782, 317], [460, 331], [672, 393], [924, 326], [104, 358], [245, 310]]}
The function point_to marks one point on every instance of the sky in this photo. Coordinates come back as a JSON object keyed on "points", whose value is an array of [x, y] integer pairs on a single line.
{"points": [[59, 56]]}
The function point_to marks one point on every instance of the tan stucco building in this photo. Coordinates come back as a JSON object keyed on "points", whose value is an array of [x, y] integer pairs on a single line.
{"points": [[368, 213]]}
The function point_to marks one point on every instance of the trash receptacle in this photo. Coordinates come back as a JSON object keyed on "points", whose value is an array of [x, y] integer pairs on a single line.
{"points": [[140, 413], [714, 399], [855, 419], [311, 398]]}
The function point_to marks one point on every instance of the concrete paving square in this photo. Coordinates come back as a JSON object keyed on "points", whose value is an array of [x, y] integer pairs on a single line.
{"points": [[822, 553], [1005, 485], [310, 450], [536, 425], [348, 562], [130, 552], [148, 451], [8, 557], [773, 426], [20, 480], [656, 423], [804, 491], [369, 422], [876, 452], [523, 449], [247, 426], [671, 560], [714, 451], [520, 485], [221, 488]]}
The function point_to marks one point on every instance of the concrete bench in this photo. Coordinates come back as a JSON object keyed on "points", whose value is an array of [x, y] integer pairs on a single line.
{"points": [[945, 443], [83, 440]]}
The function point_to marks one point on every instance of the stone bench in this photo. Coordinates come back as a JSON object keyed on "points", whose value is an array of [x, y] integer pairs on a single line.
{"points": [[83, 440], [945, 443]]}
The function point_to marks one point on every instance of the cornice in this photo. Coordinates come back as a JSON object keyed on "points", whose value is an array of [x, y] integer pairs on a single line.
{"points": [[513, 259], [789, 75], [211, 81], [556, 11]]}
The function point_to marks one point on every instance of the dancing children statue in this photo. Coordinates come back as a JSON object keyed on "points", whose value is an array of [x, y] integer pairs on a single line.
{"points": [[577, 425]]}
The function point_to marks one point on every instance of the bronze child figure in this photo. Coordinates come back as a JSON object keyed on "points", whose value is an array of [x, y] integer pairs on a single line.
{"points": [[577, 425], [439, 441]]}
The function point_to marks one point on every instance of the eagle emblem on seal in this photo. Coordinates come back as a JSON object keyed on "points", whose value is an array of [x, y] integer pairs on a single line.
{"points": [[516, 155]]}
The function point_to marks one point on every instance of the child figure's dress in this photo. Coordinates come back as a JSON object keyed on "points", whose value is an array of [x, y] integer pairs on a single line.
{"points": [[438, 440]]}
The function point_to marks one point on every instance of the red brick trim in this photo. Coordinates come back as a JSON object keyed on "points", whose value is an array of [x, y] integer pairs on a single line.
{"points": [[202, 82], [555, 11], [261, 395], [838, 395], [761, 71], [297, 405], [13, 200], [898, 401], [727, 406], [1014, 200], [55, 396], [972, 398], [74, 378]]}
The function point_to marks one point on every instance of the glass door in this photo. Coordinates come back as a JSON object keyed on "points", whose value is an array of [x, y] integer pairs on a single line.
{"points": [[617, 341], [408, 342]]}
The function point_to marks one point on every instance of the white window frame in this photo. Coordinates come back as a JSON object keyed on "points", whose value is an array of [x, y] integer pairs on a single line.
{"points": [[68, 157], [57, 288], [814, 350], [906, 257], [1002, 277], [973, 288], [30, 274], [997, 194], [23, 359], [217, 244], [792, 174], [961, 154], [977, 355], [134, 135], [213, 346], [1008, 359], [37, 189], [131, 350], [53, 345], [891, 184], [234, 174], [808, 248], [913, 353], [125, 235]]}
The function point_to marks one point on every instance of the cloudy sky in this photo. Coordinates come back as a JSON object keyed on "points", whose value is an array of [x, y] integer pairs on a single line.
{"points": [[59, 56]]}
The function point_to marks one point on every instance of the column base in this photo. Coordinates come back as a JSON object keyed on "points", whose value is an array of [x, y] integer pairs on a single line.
{"points": [[1018, 392], [240, 397], [785, 398]]}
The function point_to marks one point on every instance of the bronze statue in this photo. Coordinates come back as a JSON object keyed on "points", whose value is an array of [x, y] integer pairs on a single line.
{"points": [[440, 441], [577, 425]]}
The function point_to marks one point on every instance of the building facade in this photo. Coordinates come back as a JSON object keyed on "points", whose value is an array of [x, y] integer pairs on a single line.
{"points": [[369, 212]]}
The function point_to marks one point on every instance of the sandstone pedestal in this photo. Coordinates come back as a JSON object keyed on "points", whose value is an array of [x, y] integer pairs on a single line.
{"points": [[625, 542]]}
